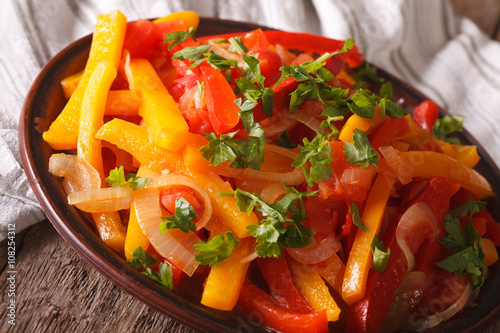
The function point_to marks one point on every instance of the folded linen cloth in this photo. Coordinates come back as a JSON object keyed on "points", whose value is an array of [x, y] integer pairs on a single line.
{"points": [[446, 57]]}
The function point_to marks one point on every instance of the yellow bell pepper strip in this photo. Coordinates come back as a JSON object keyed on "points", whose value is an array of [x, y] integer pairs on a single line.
{"points": [[332, 271], [223, 284], [69, 84], [490, 251], [107, 44], [92, 113], [428, 164], [135, 140], [192, 19], [314, 289], [364, 124], [224, 207], [110, 229], [360, 256], [123, 103], [135, 236], [166, 126], [467, 155]]}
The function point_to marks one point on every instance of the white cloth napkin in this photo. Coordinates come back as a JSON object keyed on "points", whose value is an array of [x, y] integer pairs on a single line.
{"points": [[420, 41]]}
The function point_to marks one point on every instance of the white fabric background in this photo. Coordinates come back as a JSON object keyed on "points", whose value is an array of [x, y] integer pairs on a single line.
{"points": [[420, 41]]}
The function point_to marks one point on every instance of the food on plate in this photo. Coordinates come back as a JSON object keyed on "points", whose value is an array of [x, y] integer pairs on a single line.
{"points": [[276, 166]]}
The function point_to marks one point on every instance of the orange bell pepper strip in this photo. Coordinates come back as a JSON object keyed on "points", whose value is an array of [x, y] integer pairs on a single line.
{"points": [[135, 140], [428, 164], [69, 84], [224, 207], [314, 289], [360, 256], [222, 111], [166, 126], [192, 19], [110, 229], [107, 44], [135, 236], [92, 113], [364, 124], [123, 103], [193, 158], [223, 284]]}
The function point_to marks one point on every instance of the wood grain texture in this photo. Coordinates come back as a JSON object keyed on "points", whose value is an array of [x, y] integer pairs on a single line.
{"points": [[56, 291]]}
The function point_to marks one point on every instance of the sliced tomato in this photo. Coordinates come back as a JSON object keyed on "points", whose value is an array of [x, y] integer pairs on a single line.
{"points": [[425, 115], [222, 111]]}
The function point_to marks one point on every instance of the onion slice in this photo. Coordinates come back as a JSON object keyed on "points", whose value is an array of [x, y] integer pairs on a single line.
{"points": [[102, 200], [416, 224], [452, 310], [168, 180], [401, 167], [78, 174], [174, 245], [316, 252]]}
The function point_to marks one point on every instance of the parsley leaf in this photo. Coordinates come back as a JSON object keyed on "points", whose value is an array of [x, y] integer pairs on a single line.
{"points": [[191, 53], [177, 37], [380, 256], [386, 104], [365, 74], [237, 45], [360, 152], [117, 178], [276, 229], [469, 259], [183, 218], [216, 250], [243, 153], [356, 217], [142, 259], [318, 153], [285, 141], [361, 104], [470, 207], [447, 125]]}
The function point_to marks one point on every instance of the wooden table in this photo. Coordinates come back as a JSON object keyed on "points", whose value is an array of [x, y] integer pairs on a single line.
{"points": [[58, 292]]}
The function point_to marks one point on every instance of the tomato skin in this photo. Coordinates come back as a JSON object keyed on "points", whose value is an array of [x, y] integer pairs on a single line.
{"points": [[425, 115], [270, 63], [258, 304], [335, 64]]}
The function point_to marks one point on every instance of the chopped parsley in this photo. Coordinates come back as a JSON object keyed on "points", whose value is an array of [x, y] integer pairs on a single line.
{"points": [[360, 152], [447, 125], [380, 255], [117, 178], [183, 218], [356, 217], [142, 259], [177, 37], [469, 259], [276, 230], [317, 152], [216, 250]]}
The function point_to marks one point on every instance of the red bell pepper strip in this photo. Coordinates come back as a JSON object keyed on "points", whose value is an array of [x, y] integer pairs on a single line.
{"points": [[432, 251], [278, 278], [384, 133], [368, 314], [425, 115], [314, 43], [254, 300], [222, 111]]}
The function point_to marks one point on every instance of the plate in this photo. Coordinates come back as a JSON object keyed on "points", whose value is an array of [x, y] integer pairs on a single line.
{"points": [[44, 102]]}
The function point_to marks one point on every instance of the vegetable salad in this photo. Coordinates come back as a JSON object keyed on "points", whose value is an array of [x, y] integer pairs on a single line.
{"points": [[277, 167]]}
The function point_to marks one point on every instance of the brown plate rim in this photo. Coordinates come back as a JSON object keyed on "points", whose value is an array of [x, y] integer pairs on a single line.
{"points": [[114, 268]]}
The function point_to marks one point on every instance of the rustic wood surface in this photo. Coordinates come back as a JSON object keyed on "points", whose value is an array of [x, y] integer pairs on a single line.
{"points": [[56, 291]]}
